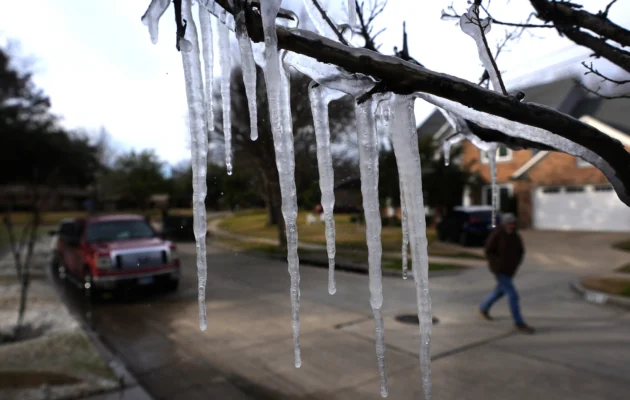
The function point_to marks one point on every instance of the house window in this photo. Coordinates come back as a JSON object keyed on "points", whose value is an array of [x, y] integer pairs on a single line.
{"points": [[575, 189], [603, 188], [551, 190], [503, 154], [582, 164], [504, 196]]}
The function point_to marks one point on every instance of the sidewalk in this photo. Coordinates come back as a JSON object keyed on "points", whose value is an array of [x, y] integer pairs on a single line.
{"points": [[54, 357]]}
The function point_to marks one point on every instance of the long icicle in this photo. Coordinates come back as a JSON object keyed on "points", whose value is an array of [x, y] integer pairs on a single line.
{"points": [[225, 60], [199, 152], [352, 13], [151, 17], [248, 65], [320, 97], [368, 160], [492, 160], [205, 25], [280, 116], [405, 142], [405, 230]]}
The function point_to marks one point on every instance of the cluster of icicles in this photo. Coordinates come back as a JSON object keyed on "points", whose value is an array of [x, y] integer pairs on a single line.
{"points": [[396, 119]]}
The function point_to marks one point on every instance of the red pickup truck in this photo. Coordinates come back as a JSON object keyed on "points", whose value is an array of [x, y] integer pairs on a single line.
{"points": [[107, 252]]}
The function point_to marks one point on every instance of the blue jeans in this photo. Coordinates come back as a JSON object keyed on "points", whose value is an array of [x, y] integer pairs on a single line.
{"points": [[504, 286]]}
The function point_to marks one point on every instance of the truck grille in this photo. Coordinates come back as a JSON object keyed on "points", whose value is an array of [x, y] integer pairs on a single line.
{"points": [[144, 259]]}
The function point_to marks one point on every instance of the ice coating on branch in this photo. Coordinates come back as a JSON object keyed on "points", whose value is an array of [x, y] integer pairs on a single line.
{"points": [[323, 28], [538, 135], [205, 25], [405, 141], [225, 60], [329, 75], [151, 17], [248, 65], [320, 97], [471, 24], [199, 152], [492, 161], [278, 95], [368, 161]]}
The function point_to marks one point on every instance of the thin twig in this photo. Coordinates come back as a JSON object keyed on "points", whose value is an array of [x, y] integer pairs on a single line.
{"points": [[329, 22], [592, 70], [487, 48], [605, 13], [598, 94]]}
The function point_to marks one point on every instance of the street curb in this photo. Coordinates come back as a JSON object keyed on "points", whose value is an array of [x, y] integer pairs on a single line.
{"points": [[127, 380], [601, 298]]}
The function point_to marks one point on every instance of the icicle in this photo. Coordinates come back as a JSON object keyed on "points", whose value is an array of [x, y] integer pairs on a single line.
{"points": [[470, 25], [199, 150], [368, 160], [248, 65], [205, 25], [408, 160], [151, 17], [225, 61], [405, 230], [323, 28], [446, 147], [352, 13], [320, 97], [278, 94], [492, 160]]}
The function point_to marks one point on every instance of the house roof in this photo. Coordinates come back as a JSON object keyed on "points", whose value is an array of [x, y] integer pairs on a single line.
{"points": [[553, 94], [608, 116]]}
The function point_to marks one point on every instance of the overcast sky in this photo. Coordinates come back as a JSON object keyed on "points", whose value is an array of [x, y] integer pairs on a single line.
{"points": [[97, 63]]}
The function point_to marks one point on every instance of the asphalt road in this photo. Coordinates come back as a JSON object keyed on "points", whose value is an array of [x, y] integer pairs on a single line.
{"points": [[581, 351]]}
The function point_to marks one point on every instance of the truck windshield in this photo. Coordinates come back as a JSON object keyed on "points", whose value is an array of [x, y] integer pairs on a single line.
{"points": [[109, 231]]}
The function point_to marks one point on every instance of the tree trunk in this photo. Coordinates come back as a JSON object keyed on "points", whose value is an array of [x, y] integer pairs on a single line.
{"points": [[273, 202]]}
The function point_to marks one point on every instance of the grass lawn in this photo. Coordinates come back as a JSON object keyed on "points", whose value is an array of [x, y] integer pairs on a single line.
{"points": [[615, 286], [349, 235], [387, 263], [624, 268], [18, 229], [623, 245]]}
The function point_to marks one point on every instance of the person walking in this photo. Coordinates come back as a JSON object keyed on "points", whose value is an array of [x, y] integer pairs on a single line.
{"points": [[504, 250]]}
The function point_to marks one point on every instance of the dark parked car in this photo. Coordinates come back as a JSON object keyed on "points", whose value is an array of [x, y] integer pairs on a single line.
{"points": [[466, 225]]}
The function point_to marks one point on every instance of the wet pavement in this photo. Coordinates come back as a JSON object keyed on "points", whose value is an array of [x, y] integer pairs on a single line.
{"points": [[581, 350]]}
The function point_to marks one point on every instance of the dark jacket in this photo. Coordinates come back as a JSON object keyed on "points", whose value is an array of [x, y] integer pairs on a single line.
{"points": [[505, 252]]}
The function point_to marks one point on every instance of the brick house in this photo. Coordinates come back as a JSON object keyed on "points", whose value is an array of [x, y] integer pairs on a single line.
{"points": [[551, 190]]}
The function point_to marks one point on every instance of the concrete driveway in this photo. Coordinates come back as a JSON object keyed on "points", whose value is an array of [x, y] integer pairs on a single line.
{"points": [[580, 352], [581, 252]]}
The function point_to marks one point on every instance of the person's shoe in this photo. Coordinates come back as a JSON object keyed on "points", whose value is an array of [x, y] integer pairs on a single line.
{"points": [[524, 328], [485, 315]]}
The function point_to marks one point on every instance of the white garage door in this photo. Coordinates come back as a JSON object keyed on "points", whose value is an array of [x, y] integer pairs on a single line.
{"points": [[580, 208]]}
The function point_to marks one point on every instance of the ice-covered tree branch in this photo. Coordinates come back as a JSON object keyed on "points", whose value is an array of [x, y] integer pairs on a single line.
{"points": [[404, 77]]}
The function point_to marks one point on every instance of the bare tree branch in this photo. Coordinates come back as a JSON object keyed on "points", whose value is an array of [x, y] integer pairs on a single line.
{"points": [[565, 15], [598, 93]]}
